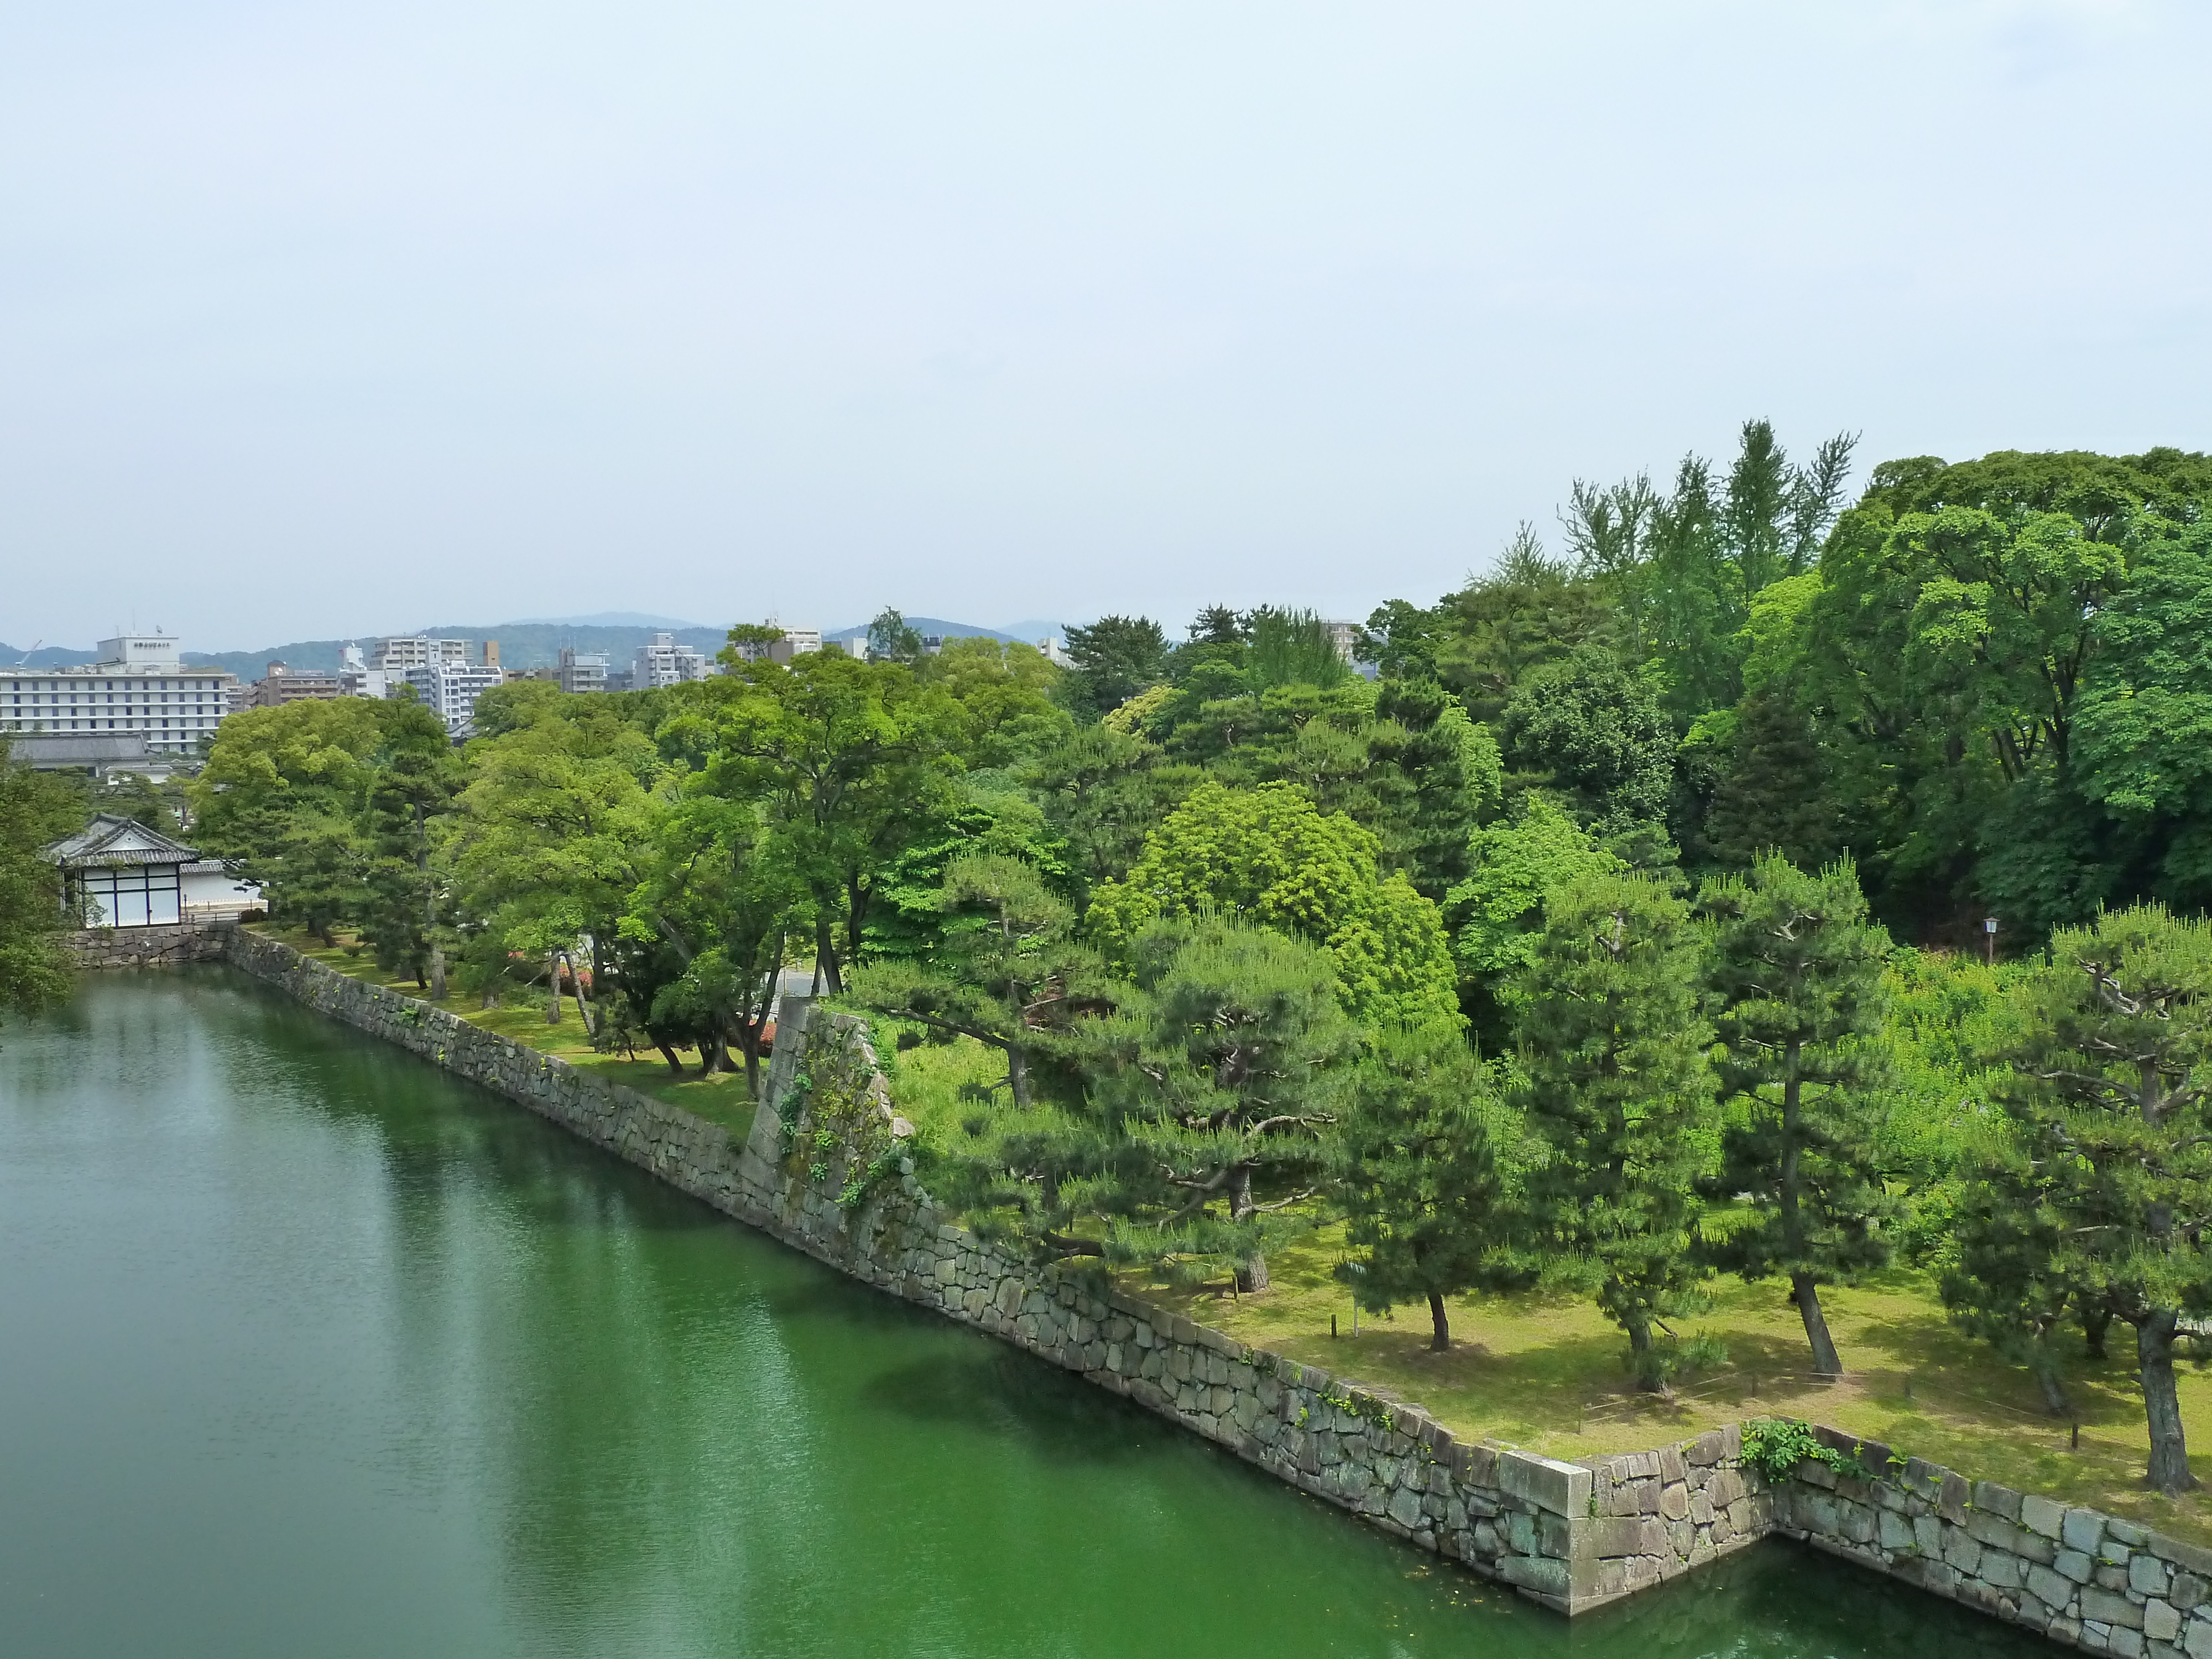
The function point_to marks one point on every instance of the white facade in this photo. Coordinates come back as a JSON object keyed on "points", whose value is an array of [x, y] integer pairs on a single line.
{"points": [[400, 652], [141, 686], [795, 642], [583, 671], [666, 662], [357, 679], [452, 691]]}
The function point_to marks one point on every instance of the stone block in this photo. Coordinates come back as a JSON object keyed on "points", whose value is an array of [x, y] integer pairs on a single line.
{"points": [[2190, 1558], [2110, 1607], [1960, 1550], [2050, 1586], [2072, 1564], [1540, 1574], [2197, 1639], [1927, 1537], [2188, 1591], [1562, 1488], [1893, 1532], [2147, 1575], [1705, 1450], [2082, 1530], [2161, 1621], [1675, 1501]]}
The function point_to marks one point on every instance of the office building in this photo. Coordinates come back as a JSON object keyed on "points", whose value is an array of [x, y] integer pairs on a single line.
{"points": [[140, 685], [398, 654]]}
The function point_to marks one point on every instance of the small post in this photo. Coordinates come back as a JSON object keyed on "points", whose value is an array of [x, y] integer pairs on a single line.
{"points": [[1908, 1385], [1331, 1327], [1355, 1318], [2074, 1440], [1990, 939]]}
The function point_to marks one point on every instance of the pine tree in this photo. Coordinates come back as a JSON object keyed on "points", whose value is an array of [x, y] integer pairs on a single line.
{"points": [[1795, 970], [1612, 1040], [2111, 1109], [1775, 793], [1428, 1163]]}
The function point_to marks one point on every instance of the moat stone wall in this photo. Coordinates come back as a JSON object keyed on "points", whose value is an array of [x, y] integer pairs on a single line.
{"points": [[1569, 1535], [148, 947]]}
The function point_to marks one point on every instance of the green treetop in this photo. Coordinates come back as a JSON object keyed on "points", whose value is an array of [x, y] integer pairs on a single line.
{"points": [[1267, 856]]}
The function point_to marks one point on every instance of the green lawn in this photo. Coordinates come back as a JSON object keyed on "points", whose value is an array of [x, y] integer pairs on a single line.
{"points": [[721, 1098], [1544, 1373]]}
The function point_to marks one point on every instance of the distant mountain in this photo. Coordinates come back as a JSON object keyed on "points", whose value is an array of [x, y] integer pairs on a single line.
{"points": [[49, 656], [601, 619], [926, 625], [1033, 631]]}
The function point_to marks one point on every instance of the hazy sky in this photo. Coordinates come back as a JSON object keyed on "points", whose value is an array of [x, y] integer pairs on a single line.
{"points": [[322, 319]]}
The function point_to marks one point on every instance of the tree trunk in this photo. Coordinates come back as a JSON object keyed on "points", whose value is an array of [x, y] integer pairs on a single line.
{"points": [[553, 983], [576, 988], [2054, 1392], [752, 1070], [1642, 1358], [2095, 1320], [1252, 1272], [1826, 1361], [825, 959], [668, 1054], [1017, 1076], [437, 972], [2169, 1451], [1441, 1339]]}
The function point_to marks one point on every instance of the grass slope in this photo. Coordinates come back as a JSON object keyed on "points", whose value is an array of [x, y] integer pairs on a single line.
{"points": [[721, 1098]]}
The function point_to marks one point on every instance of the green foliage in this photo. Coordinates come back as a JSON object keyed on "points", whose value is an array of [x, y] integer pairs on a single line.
{"points": [[1115, 657], [1267, 856], [34, 810], [1517, 865], [1293, 648], [1775, 1446], [1613, 1038], [2112, 1159], [1588, 729], [1198, 1120], [1797, 973], [1004, 970], [1428, 1161]]}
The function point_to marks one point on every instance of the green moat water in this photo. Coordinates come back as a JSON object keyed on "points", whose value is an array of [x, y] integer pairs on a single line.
{"points": [[307, 1349]]}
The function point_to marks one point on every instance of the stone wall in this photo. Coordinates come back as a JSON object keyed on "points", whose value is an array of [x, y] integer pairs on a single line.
{"points": [[1571, 1537], [147, 947], [2081, 1577]]}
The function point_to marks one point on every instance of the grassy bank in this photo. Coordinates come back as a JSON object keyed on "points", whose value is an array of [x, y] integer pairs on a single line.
{"points": [[721, 1098]]}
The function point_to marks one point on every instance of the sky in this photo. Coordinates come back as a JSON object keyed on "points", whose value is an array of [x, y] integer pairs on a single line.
{"points": [[322, 320]]}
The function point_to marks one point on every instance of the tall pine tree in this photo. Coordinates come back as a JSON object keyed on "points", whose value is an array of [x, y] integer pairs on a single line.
{"points": [[1796, 975], [1614, 1037]]}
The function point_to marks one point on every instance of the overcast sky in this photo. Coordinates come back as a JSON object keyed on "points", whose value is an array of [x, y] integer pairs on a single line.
{"points": [[337, 319]]}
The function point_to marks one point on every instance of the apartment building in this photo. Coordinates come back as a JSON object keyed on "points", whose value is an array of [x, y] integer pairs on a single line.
{"points": [[664, 662], [284, 685], [140, 684], [398, 654], [582, 670]]}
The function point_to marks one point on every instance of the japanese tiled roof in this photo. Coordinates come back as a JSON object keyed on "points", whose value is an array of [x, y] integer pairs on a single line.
{"points": [[109, 840]]}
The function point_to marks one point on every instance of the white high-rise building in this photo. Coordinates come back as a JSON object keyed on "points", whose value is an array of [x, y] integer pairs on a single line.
{"points": [[453, 691], [665, 662], [402, 652], [140, 684]]}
